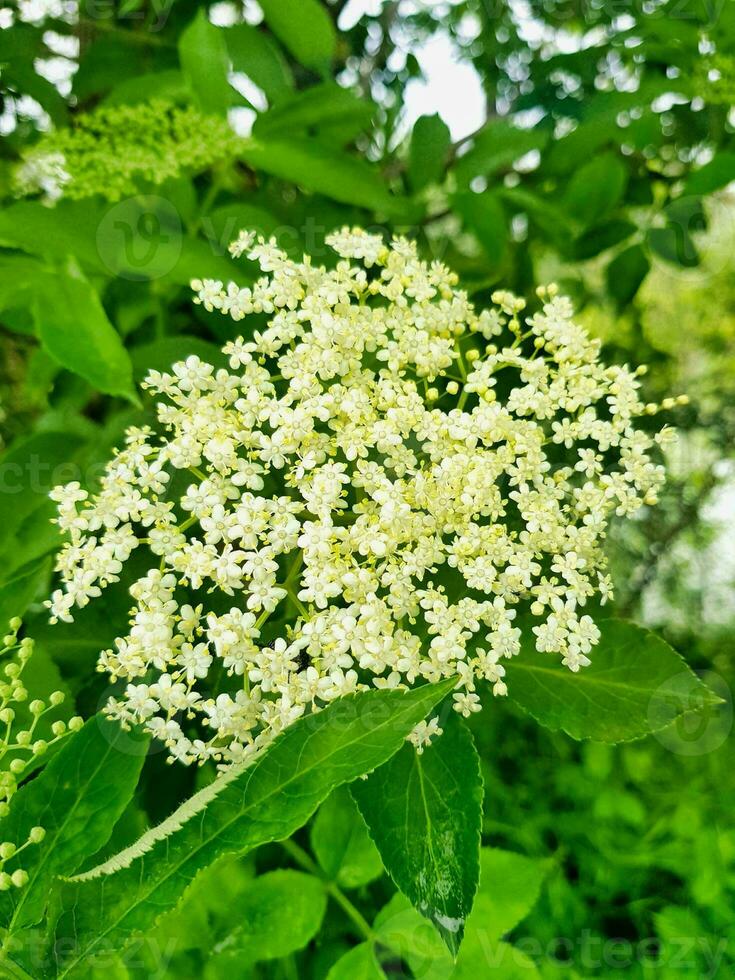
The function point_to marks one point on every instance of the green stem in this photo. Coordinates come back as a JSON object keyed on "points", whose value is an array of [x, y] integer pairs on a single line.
{"points": [[299, 855], [11, 969]]}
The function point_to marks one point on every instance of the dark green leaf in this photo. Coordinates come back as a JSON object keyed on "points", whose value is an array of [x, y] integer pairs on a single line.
{"points": [[305, 28], [427, 158], [329, 172], [604, 236], [483, 214], [595, 189], [496, 147], [631, 688], [264, 801], [327, 111], [424, 811], [674, 244], [625, 274]]}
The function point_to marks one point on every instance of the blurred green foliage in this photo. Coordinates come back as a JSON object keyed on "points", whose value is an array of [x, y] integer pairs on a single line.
{"points": [[604, 163]]}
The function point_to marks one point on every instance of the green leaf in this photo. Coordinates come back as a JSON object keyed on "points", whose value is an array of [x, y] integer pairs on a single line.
{"points": [[258, 56], [719, 172], [305, 28], [359, 964], [595, 189], [77, 799], [265, 801], [625, 274], [205, 63], [510, 884], [424, 811], [674, 244], [73, 327], [483, 214], [427, 156], [326, 171], [328, 111], [69, 228], [496, 147], [271, 900], [631, 687], [412, 937], [340, 841], [551, 220], [482, 957], [602, 237]]}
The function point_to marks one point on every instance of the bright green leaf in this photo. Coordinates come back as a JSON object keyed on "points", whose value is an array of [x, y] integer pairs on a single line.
{"points": [[77, 799], [424, 811], [264, 801], [305, 28], [73, 327], [258, 56], [205, 63], [359, 964], [340, 841], [268, 903], [635, 684]]}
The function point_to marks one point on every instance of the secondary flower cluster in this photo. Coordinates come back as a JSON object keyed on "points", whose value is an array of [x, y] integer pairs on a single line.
{"points": [[111, 150], [384, 474], [20, 744]]}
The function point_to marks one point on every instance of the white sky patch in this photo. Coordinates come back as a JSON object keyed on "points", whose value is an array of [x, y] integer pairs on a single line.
{"points": [[450, 86]]}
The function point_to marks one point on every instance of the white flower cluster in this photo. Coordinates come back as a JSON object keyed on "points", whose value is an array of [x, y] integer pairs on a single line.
{"points": [[384, 473]]}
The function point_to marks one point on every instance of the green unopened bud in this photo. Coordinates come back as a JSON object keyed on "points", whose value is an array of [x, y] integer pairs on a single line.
{"points": [[58, 728], [37, 707], [19, 878], [76, 723], [17, 766], [58, 697], [7, 715], [23, 738], [7, 850], [15, 623], [5, 881], [40, 746], [36, 835], [4, 810]]}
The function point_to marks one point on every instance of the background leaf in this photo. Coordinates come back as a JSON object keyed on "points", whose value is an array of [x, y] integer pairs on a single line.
{"points": [[340, 841], [205, 63], [305, 28], [630, 689]]}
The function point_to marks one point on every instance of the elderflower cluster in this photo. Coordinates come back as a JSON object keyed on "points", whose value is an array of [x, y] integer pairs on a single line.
{"points": [[20, 744], [368, 496], [112, 150]]}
